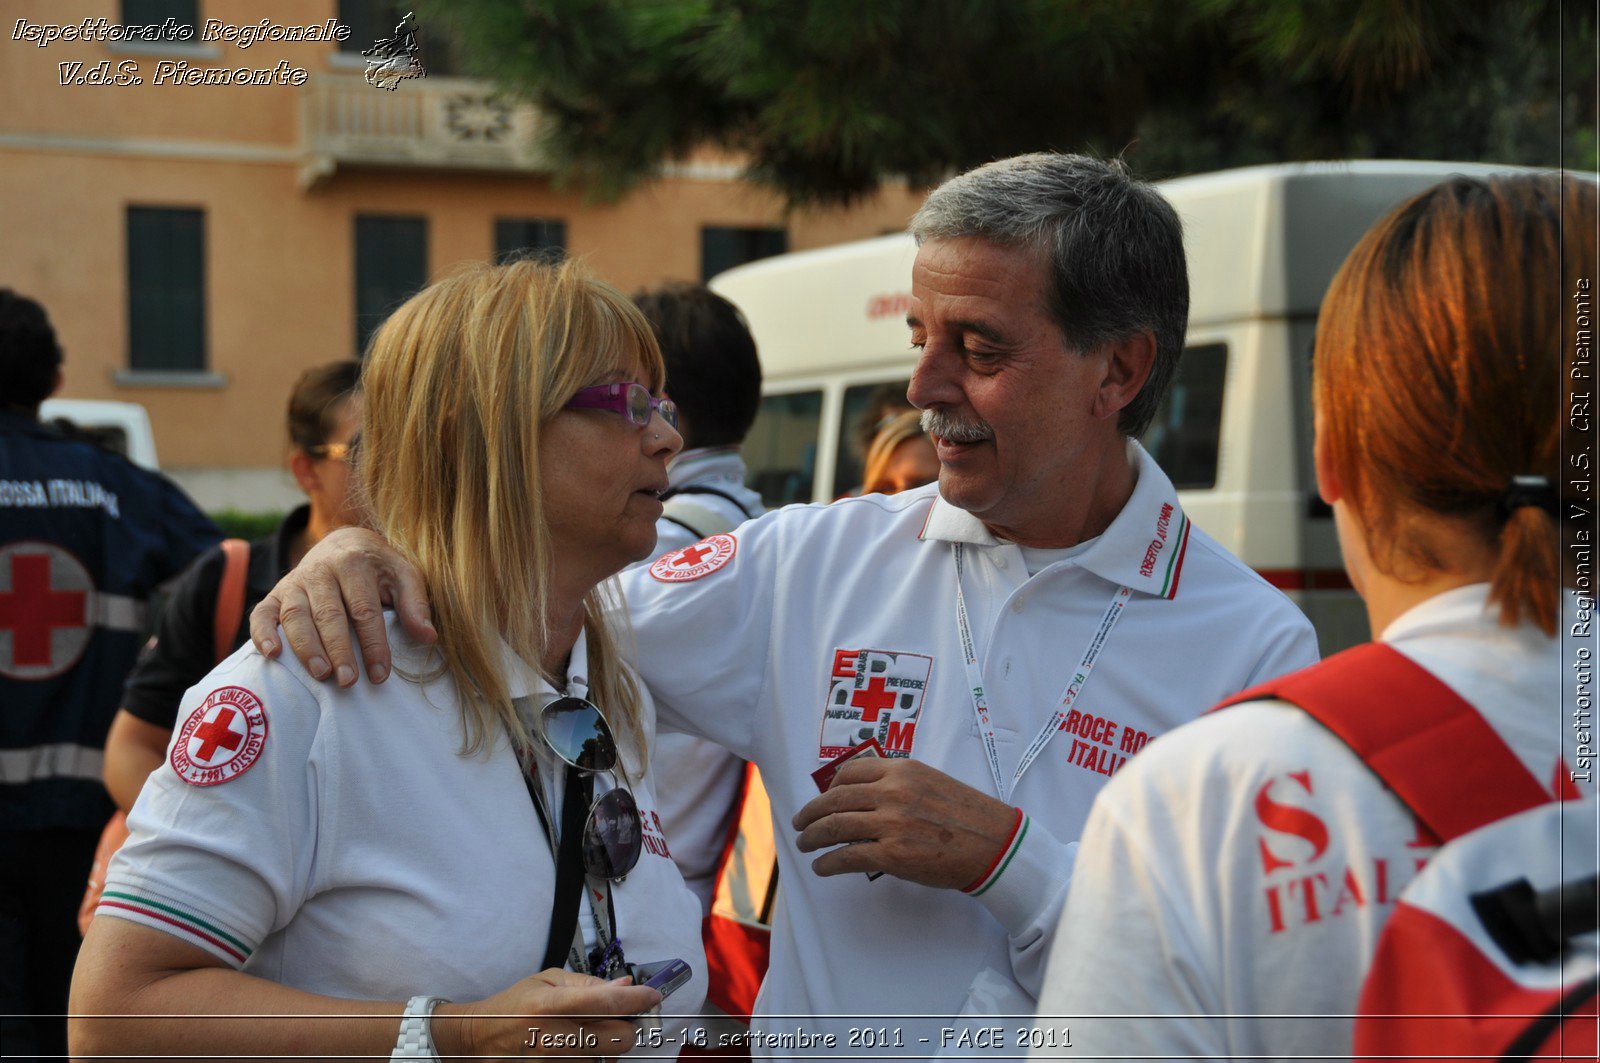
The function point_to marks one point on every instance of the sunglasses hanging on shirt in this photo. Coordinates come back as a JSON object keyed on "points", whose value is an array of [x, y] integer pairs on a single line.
{"points": [[576, 731]]}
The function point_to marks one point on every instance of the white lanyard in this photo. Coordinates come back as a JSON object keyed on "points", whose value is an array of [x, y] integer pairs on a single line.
{"points": [[607, 943], [980, 700]]}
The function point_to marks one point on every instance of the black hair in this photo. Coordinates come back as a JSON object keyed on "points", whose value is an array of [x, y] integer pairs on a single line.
{"points": [[713, 373], [30, 357], [314, 400]]}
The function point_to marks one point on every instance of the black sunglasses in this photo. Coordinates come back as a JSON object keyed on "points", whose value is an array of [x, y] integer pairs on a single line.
{"points": [[613, 834]]}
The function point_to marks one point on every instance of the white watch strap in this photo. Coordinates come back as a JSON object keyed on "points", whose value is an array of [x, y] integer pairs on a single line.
{"points": [[416, 1030]]}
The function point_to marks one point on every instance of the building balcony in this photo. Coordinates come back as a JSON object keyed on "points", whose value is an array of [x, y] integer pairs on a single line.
{"points": [[446, 123]]}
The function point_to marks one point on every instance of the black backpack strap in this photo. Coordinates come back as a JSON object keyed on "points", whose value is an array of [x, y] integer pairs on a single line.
{"points": [[685, 525], [1531, 1042], [706, 489]]}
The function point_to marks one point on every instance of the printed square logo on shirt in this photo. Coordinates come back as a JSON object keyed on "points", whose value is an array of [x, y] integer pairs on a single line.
{"points": [[873, 694]]}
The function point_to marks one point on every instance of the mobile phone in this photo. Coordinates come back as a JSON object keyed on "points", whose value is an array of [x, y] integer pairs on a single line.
{"points": [[667, 977]]}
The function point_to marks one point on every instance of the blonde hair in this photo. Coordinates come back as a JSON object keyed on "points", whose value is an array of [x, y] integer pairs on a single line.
{"points": [[458, 383], [1442, 346], [899, 429]]}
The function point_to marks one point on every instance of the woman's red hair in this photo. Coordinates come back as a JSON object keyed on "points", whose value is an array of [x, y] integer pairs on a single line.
{"points": [[1445, 359]]}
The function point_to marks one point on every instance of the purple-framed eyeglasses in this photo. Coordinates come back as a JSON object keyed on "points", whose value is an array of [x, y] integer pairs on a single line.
{"points": [[633, 401]]}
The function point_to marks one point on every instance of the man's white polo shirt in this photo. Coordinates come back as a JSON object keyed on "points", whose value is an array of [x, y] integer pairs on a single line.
{"points": [[816, 625]]}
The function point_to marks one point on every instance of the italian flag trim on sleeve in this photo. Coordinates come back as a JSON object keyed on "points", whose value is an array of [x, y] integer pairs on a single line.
{"points": [[177, 920], [1002, 860]]}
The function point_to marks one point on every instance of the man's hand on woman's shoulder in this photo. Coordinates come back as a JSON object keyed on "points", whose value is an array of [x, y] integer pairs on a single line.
{"points": [[348, 577]]}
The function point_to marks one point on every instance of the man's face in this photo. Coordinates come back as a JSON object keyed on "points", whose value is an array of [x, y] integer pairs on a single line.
{"points": [[1009, 402]]}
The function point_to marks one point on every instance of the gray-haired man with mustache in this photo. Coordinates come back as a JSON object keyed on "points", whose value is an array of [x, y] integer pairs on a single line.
{"points": [[1007, 638]]}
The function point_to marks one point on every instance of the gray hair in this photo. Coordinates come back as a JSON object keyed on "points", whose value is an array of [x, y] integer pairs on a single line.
{"points": [[1115, 246]]}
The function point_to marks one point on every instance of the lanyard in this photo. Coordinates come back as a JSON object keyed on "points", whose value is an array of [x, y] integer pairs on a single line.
{"points": [[980, 699], [605, 961]]}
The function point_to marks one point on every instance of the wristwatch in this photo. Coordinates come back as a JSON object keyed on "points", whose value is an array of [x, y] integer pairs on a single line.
{"points": [[416, 1030]]}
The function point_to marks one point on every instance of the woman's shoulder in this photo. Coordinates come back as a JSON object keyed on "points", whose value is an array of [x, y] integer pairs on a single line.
{"points": [[1222, 766], [289, 689]]}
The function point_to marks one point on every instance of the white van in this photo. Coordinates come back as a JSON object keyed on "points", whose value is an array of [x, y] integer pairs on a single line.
{"points": [[120, 426], [1235, 430]]}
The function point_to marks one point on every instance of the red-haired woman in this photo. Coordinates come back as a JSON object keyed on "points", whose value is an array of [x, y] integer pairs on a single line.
{"points": [[1235, 876]]}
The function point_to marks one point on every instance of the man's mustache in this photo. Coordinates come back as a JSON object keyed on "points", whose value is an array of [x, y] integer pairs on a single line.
{"points": [[954, 429]]}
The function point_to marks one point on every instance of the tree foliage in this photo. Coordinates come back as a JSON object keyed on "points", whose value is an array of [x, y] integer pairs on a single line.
{"points": [[826, 99]]}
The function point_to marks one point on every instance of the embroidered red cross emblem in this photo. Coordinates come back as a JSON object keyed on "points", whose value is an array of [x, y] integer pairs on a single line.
{"points": [[873, 699], [217, 733], [691, 555], [31, 610]]}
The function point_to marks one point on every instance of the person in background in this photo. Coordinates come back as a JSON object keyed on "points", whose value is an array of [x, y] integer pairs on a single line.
{"points": [[1235, 877], [324, 418], [901, 457], [714, 376], [883, 406], [86, 537]]}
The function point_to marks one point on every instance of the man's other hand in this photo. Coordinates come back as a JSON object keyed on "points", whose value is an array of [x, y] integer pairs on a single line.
{"points": [[346, 578], [907, 819]]}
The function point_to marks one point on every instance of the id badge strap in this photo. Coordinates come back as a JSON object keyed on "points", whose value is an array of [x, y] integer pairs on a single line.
{"points": [[980, 699], [1075, 683], [605, 960]]}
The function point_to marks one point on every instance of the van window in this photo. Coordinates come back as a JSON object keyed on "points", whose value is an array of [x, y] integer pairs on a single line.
{"points": [[852, 452], [1184, 436], [781, 449]]}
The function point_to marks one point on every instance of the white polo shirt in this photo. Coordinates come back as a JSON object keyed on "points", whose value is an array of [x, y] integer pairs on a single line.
{"points": [[338, 841], [1245, 865], [816, 624]]}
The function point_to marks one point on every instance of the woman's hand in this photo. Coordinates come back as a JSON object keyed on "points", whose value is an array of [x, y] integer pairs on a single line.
{"points": [[347, 577], [554, 1013]]}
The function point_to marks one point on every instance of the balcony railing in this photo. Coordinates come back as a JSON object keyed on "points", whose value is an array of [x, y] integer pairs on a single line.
{"points": [[435, 122]]}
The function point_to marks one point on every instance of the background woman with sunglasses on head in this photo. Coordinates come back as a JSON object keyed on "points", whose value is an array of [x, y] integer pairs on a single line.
{"points": [[371, 851]]}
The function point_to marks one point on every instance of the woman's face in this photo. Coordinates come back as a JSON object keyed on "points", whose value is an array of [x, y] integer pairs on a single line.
{"points": [[329, 485], [913, 463], [602, 476]]}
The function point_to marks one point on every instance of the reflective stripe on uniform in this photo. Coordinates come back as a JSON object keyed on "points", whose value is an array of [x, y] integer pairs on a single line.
{"points": [[117, 612], [63, 760]]}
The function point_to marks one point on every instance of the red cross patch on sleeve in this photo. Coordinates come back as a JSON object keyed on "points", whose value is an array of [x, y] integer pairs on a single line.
{"points": [[221, 739], [696, 561]]}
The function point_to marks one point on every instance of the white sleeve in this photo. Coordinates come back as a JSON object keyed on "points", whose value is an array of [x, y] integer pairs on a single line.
{"points": [[1125, 947], [223, 834], [1024, 891], [703, 638], [1292, 646]]}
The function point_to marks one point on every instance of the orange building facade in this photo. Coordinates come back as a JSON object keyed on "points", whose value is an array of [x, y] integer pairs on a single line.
{"points": [[199, 244]]}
